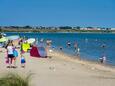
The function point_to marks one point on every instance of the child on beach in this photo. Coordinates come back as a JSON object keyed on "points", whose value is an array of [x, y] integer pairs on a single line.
{"points": [[23, 61], [78, 51], [15, 53], [102, 59]]}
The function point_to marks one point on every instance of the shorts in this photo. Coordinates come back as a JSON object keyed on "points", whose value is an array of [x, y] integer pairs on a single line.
{"points": [[23, 61], [10, 56]]}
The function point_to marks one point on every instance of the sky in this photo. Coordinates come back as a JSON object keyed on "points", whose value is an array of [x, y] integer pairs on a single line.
{"points": [[84, 13]]}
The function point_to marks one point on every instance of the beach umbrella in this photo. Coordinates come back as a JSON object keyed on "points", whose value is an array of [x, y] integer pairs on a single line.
{"points": [[31, 40], [13, 37], [3, 39], [3, 34]]}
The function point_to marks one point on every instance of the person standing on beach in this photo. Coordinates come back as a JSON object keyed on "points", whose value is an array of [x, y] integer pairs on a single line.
{"points": [[23, 61], [10, 54], [78, 52], [103, 59], [49, 43], [75, 46], [15, 53]]}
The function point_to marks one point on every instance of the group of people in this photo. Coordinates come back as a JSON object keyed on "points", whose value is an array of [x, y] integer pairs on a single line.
{"points": [[72, 45], [77, 50], [12, 52], [12, 55]]}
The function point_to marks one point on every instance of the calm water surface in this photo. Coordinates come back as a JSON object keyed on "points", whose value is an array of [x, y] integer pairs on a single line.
{"points": [[89, 44]]}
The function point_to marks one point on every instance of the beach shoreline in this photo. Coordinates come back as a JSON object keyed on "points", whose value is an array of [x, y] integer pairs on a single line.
{"points": [[92, 64], [59, 69]]}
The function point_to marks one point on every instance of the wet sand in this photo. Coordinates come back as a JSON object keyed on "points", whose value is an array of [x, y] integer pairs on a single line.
{"points": [[61, 70]]}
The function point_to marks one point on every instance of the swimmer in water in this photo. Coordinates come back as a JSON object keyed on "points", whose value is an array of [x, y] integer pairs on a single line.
{"points": [[60, 48], [96, 40], [75, 46], [68, 43], [41, 40], [86, 40], [78, 51], [103, 45]]}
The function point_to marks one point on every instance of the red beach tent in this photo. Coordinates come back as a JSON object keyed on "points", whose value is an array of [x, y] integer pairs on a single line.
{"points": [[38, 52]]}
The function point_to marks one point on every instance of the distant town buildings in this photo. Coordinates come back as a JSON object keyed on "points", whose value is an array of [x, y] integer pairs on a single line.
{"points": [[112, 28], [68, 28]]}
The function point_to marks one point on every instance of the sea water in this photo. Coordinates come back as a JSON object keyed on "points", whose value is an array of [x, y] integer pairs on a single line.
{"points": [[90, 44]]}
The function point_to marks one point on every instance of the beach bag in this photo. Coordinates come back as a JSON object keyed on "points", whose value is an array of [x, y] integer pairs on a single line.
{"points": [[6, 57], [15, 53]]}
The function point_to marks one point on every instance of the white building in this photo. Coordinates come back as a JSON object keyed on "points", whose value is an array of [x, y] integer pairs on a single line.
{"points": [[83, 29], [90, 28], [112, 28]]}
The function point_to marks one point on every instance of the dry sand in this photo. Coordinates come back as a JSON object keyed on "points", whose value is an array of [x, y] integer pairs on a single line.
{"points": [[61, 70]]}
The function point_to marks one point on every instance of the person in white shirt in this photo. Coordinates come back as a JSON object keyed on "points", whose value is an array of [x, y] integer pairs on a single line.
{"points": [[10, 53], [104, 59]]}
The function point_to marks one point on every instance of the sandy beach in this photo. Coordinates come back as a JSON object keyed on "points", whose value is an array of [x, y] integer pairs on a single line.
{"points": [[61, 70]]}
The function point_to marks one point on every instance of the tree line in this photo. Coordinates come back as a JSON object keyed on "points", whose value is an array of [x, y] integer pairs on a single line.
{"points": [[28, 28]]}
